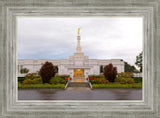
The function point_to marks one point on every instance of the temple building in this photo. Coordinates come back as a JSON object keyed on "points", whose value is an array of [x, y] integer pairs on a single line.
{"points": [[78, 65]]}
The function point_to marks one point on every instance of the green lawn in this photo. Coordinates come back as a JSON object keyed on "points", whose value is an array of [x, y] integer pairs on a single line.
{"points": [[62, 86], [117, 85]]}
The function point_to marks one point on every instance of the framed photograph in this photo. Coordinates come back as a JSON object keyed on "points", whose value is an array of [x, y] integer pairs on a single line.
{"points": [[112, 69], [79, 58]]}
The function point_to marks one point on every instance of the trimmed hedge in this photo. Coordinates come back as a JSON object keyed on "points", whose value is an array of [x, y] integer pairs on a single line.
{"points": [[62, 86], [62, 76], [21, 79], [96, 76], [137, 79], [117, 85]]}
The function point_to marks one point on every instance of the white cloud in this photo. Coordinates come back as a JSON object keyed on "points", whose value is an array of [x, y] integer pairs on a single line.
{"points": [[101, 37]]}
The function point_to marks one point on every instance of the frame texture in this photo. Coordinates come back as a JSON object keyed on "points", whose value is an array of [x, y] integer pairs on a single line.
{"points": [[10, 107]]}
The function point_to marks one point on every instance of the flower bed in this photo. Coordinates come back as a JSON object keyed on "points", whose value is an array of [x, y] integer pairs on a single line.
{"points": [[68, 78]]}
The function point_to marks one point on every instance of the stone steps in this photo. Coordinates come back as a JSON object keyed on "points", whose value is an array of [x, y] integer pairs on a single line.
{"points": [[78, 77], [78, 84]]}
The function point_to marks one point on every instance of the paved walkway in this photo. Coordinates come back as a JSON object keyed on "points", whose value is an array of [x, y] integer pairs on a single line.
{"points": [[80, 93]]}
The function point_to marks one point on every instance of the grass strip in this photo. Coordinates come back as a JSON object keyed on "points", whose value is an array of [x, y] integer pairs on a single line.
{"points": [[113, 85], [62, 86]]}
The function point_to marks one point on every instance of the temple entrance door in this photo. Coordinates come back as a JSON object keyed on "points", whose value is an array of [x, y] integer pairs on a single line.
{"points": [[78, 72]]}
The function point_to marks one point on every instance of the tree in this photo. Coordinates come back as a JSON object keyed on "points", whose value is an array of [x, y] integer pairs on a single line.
{"points": [[139, 61], [47, 71], [101, 69], [129, 68], [110, 72], [24, 70]]}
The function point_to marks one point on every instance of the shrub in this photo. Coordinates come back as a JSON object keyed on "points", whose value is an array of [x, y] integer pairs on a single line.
{"points": [[99, 81], [63, 82], [123, 80], [94, 81], [34, 81], [31, 76], [27, 81], [137, 79], [47, 71], [24, 70], [57, 80], [96, 76], [103, 81], [110, 72], [21, 79], [125, 74], [62, 76], [37, 81], [54, 81], [129, 81]]}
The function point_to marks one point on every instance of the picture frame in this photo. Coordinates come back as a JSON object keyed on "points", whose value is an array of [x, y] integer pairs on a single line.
{"points": [[11, 107]]}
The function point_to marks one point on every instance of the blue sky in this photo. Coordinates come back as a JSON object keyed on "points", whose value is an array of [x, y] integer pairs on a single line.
{"points": [[101, 37]]}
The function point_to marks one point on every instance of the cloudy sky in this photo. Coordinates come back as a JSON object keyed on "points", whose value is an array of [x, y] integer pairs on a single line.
{"points": [[101, 37]]}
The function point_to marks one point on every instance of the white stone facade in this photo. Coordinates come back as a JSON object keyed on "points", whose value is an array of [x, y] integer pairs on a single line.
{"points": [[67, 66], [77, 61]]}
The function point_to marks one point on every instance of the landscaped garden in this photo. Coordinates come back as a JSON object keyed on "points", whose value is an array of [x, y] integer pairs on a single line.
{"points": [[99, 81], [112, 79], [120, 82], [32, 80], [46, 78]]}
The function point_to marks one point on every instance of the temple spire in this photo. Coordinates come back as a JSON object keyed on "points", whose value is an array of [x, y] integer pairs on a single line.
{"points": [[78, 42]]}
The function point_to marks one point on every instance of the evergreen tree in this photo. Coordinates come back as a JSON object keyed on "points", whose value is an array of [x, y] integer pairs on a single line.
{"points": [[139, 61], [129, 68]]}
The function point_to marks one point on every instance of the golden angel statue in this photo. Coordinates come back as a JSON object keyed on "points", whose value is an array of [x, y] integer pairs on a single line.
{"points": [[78, 30]]}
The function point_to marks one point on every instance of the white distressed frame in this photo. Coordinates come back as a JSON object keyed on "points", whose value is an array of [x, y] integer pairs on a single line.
{"points": [[11, 107]]}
